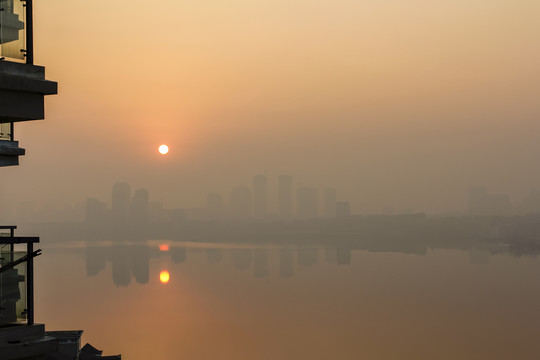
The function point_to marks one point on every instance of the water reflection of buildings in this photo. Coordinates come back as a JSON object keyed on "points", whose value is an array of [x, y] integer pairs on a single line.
{"points": [[127, 262], [130, 262]]}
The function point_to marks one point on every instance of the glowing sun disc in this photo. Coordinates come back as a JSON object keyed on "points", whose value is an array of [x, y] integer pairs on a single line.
{"points": [[163, 247], [164, 277], [163, 149]]}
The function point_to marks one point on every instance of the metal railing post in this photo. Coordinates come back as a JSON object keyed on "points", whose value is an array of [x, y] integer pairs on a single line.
{"points": [[29, 33], [30, 285]]}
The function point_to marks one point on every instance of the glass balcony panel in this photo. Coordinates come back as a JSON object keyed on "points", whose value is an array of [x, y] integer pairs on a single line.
{"points": [[12, 288], [12, 29], [5, 131]]}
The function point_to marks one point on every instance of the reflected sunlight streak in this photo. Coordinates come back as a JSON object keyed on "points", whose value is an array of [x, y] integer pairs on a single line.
{"points": [[164, 276]]}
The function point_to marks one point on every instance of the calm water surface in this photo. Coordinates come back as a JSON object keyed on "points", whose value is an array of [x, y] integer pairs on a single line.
{"points": [[269, 302]]}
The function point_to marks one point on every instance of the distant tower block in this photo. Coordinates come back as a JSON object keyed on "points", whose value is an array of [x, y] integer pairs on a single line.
{"points": [[260, 195], [343, 209], [140, 206], [285, 195], [308, 202], [330, 199], [121, 198]]}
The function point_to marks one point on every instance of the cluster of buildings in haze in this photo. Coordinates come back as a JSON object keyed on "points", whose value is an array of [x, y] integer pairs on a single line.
{"points": [[260, 201], [243, 203], [481, 202]]}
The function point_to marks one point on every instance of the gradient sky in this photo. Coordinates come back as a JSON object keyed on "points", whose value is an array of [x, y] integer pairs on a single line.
{"points": [[396, 103]]}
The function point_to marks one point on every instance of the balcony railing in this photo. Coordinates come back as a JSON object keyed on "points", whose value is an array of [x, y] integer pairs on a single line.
{"points": [[16, 277], [13, 29], [6, 131]]}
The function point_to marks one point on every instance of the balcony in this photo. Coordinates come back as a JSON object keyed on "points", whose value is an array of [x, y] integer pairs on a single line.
{"points": [[12, 30], [16, 278]]}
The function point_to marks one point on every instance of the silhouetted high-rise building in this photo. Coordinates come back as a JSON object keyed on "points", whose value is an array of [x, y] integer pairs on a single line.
{"points": [[121, 270], [343, 209], [214, 206], [240, 204], [308, 202], [121, 199], [140, 206], [285, 195], [260, 195], [330, 199]]}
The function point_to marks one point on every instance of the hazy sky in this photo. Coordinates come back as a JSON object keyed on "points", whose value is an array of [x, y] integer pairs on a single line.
{"points": [[397, 103]]}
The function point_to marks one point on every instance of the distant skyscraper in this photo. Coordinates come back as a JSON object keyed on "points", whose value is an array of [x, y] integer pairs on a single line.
{"points": [[240, 203], [214, 206], [140, 206], [121, 198], [260, 195], [343, 209], [285, 195], [308, 202], [330, 199]]}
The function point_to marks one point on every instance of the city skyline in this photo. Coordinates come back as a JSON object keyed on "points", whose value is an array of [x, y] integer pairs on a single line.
{"points": [[396, 108]]}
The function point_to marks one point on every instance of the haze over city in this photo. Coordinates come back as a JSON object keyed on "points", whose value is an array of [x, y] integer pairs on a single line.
{"points": [[300, 179], [397, 104]]}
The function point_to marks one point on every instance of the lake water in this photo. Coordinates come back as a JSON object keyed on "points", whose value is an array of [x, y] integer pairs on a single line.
{"points": [[227, 301]]}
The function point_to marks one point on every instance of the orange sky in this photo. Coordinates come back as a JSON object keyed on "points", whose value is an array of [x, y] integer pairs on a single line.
{"points": [[396, 103]]}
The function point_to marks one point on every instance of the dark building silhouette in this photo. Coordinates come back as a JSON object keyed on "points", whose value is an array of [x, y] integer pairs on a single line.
{"points": [[22, 90], [260, 195], [121, 199], [140, 207], [285, 195], [214, 206], [240, 204], [330, 200], [308, 202], [121, 269], [343, 209]]}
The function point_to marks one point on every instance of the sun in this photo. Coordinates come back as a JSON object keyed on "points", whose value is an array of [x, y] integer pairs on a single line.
{"points": [[164, 277], [163, 149]]}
